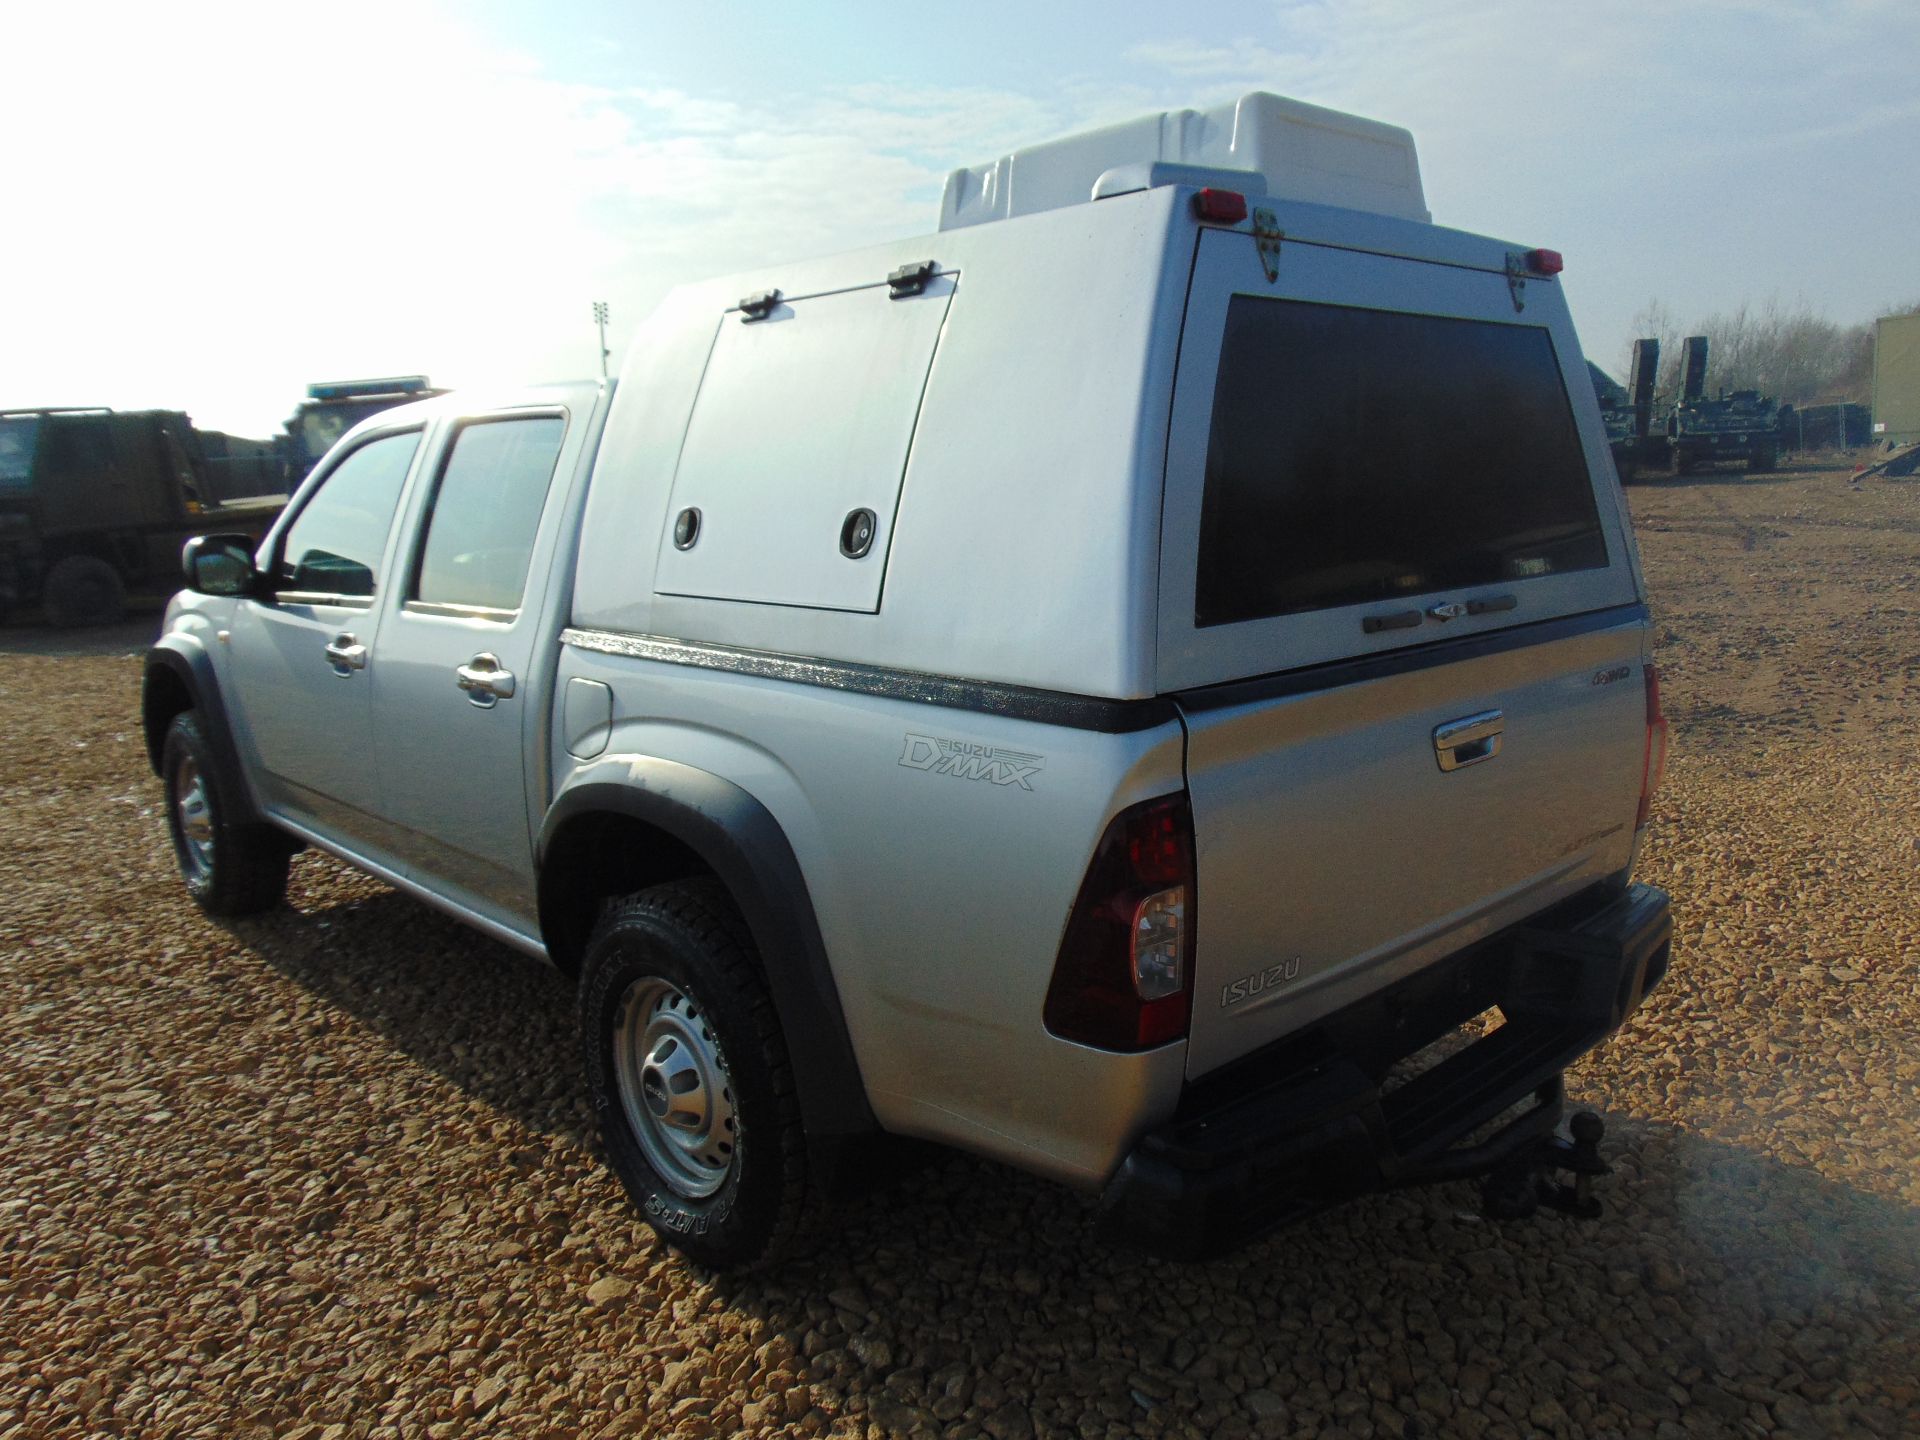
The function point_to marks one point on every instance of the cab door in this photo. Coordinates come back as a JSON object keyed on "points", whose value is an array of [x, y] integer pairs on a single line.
{"points": [[301, 657], [467, 657]]}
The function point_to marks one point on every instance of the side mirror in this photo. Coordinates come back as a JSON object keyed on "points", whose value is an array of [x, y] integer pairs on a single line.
{"points": [[219, 564]]}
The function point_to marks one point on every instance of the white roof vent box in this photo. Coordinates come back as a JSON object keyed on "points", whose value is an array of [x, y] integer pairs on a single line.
{"points": [[1292, 150]]}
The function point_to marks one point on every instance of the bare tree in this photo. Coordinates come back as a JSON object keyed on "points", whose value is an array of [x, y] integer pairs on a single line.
{"points": [[1655, 321], [1786, 352]]}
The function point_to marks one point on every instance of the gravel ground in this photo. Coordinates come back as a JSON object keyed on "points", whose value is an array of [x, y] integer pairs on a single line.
{"points": [[327, 1174]]}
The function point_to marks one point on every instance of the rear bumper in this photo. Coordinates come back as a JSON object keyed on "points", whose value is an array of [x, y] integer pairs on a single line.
{"points": [[1315, 1119]]}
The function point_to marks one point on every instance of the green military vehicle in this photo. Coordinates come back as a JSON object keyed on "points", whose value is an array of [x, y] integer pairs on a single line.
{"points": [[1627, 412], [1616, 413], [1741, 425], [95, 504], [332, 408]]}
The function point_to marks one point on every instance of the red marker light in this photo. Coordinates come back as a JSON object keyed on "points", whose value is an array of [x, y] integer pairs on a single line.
{"points": [[1653, 764], [1545, 262], [1222, 207]]}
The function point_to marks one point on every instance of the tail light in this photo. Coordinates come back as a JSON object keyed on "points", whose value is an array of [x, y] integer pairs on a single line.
{"points": [[1124, 978], [1545, 262], [1653, 765]]}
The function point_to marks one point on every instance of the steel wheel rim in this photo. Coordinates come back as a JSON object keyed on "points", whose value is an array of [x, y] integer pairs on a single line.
{"points": [[193, 818], [675, 1089]]}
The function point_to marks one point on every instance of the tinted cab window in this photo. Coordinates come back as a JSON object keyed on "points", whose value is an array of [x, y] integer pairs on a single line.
{"points": [[335, 544], [19, 435], [486, 511]]}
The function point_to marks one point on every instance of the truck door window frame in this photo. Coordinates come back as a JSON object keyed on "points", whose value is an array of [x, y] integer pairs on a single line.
{"points": [[420, 528], [277, 541], [22, 454]]}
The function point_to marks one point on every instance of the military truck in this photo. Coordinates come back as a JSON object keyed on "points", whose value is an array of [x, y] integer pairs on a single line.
{"points": [[332, 408], [1739, 425], [95, 503]]}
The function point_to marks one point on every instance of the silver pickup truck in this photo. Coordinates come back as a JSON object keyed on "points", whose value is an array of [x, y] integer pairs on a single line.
{"points": [[1099, 687]]}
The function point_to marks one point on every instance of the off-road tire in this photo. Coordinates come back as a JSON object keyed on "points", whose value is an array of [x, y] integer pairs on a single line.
{"points": [[240, 869], [83, 590], [1760, 462], [689, 934]]}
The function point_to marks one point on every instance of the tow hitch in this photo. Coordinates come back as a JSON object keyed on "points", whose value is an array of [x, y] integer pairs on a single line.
{"points": [[1524, 1183]]}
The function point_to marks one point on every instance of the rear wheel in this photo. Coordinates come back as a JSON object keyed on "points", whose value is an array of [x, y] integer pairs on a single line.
{"points": [[83, 590], [229, 868], [689, 1072]]}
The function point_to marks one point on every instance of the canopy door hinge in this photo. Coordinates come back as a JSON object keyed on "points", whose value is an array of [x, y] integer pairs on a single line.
{"points": [[758, 305], [1267, 236], [1517, 280], [910, 280]]}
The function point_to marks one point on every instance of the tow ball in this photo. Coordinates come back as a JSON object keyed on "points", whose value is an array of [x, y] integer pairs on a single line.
{"points": [[1524, 1183]]}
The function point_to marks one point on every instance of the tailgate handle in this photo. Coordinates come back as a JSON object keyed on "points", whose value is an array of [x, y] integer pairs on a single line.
{"points": [[1468, 740]]}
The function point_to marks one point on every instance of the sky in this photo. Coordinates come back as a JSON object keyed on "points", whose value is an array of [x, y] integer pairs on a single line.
{"points": [[205, 206]]}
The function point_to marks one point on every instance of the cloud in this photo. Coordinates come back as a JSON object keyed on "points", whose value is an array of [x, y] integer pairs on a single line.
{"points": [[1686, 151], [1240, 60], [246, 198], [1720, 78], [230, 199]]}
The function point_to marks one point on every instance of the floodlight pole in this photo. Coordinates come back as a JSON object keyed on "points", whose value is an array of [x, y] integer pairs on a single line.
{"points": [[600, 319]]}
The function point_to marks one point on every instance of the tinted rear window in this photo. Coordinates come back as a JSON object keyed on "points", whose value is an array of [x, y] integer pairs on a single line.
{"points": [[1363, 455]]}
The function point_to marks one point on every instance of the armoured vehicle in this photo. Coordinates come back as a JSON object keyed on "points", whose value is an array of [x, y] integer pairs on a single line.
{"points": [[1741, 425], [95, 503], [1107, 686], [1618, 417]]}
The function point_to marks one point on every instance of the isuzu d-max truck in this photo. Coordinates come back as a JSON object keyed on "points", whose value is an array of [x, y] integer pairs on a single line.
{"points": [[1106, 686]]}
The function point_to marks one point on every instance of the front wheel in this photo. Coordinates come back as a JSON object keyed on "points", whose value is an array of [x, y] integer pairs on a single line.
{"points": [[229, 868], [689, 1073], [83, 590]]}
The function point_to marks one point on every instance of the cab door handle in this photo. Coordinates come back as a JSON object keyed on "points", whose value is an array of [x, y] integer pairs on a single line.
{"points": [[346, 654], [1469, 740], [483, 680]]}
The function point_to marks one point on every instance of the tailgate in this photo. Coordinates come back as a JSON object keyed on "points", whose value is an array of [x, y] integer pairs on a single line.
{"points": [[1335, 856], [1401, 612]]}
